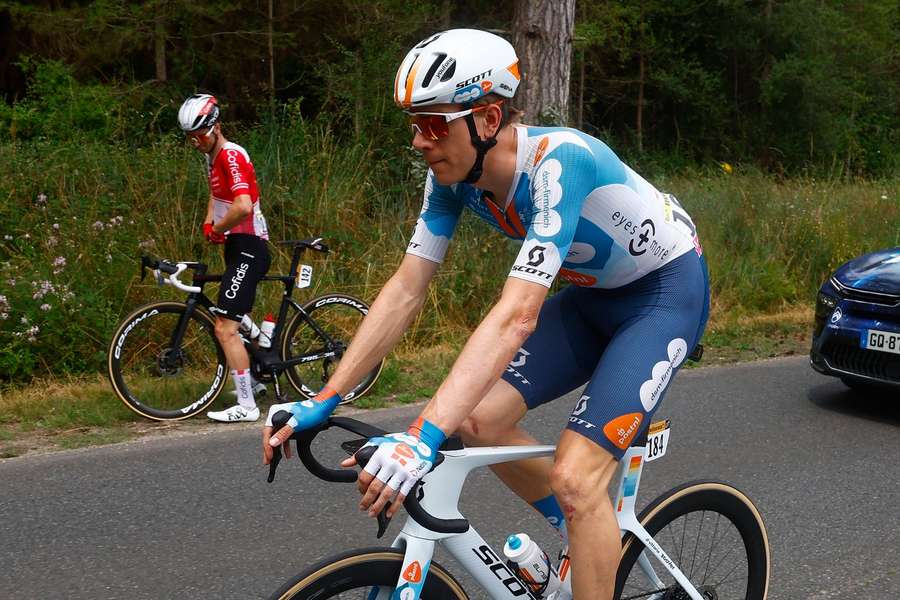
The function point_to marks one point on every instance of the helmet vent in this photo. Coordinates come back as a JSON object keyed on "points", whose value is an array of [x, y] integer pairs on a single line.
{"points": [[449, 72], [434, 67], [428, 41]]}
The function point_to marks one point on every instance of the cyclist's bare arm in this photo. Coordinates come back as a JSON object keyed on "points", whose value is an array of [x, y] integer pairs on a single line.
{"points": [[397, 304], [209, 210], [487, 353], [239, 209]]}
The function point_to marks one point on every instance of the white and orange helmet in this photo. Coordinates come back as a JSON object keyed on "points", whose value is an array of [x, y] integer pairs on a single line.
{"points": [[456, 67]]}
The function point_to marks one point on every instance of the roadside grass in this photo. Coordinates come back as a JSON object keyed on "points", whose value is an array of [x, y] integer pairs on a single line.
{"points": [[56, 414], [78, 216]]}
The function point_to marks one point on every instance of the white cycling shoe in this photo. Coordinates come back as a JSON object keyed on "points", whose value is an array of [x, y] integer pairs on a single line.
{"points": [[235, 414]]}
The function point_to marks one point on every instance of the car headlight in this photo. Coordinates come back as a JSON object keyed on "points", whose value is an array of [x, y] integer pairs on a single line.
{"points": [[825, 301]]}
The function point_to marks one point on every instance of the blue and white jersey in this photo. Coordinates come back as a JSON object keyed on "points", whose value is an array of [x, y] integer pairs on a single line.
{"points": [[580, 211]]}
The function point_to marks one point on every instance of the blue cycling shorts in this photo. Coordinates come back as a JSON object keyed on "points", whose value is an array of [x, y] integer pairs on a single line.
{"points": [[626, 343]]}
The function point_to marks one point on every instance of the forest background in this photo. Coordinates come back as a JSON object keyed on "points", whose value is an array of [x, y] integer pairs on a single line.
{"points": [[776, 124]]}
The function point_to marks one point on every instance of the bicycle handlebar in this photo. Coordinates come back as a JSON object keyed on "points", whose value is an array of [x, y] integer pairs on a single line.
{"points": [[173, 280], [160, 266], [304, 440]]}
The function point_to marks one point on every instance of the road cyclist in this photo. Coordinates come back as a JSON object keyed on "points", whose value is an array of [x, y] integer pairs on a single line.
{"points": [[233, 218], [636, 306]]}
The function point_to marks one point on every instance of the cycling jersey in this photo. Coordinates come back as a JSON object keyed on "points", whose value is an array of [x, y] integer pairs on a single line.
{"points": [[231, 174], [581, 212]]}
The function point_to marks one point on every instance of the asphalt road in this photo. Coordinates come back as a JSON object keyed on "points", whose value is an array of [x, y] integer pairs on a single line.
{"points": [[192, 517]]}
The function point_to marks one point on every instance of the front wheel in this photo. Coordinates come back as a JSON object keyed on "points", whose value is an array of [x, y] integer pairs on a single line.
{"points": [[356, 574], [337, 316], [714, 534], [161, 375]]}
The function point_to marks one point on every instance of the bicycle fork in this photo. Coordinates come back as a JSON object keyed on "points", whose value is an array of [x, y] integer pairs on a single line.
{"points": [[629, 478]]}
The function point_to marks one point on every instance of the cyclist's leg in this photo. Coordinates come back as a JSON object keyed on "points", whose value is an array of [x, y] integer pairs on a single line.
{"points": [[247, 260], [579, 479], [558, 357], [657, 320], [494, 422]]}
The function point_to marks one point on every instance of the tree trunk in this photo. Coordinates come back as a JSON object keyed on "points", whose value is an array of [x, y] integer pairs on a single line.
{"points": [[542, 36], [159, 42], [639, 120], [271, 57]]}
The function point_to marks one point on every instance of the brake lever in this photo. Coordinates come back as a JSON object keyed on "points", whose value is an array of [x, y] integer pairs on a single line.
{"points": [[353, 448], [276, 458]]}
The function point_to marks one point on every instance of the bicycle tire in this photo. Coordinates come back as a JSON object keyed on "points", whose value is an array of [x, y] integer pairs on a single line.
{"points": [[365, 568], [339, 315], [153, 380], [707, 498]]}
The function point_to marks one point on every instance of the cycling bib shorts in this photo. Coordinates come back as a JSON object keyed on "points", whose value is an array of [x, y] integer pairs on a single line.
{"points": [[247, 260], [626, 343]]}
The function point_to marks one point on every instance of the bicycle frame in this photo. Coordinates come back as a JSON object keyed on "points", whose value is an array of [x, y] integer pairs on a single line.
{"points": [[269, 359], [439, 496]]}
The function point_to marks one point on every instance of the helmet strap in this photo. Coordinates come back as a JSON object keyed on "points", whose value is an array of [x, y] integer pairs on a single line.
{"points": [[481, 148]]}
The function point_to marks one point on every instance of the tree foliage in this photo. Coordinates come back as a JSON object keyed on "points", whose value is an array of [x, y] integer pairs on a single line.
{"points": [[787, 85]]}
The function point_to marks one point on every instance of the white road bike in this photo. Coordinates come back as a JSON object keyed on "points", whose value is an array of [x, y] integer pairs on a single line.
{"points": [[703, 540]]}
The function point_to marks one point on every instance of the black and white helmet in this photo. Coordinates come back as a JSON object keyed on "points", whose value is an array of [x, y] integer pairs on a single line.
{"points": [[200, 111], [456, 67]]}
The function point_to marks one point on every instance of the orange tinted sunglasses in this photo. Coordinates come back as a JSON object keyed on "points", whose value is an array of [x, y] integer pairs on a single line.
{"points": [[436, 125]]}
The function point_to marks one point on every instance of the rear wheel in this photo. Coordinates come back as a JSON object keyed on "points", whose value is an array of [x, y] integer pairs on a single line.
{"points": [[714, 534], [159, 377], [355, 574], [338, 316]]}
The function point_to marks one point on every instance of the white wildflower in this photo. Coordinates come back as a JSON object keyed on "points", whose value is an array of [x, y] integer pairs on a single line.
{"points": [[45, 307], [98, 225]]}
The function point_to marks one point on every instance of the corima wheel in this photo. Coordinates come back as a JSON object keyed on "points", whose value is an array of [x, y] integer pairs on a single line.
{"points": [[337, 317], [159, 374]]}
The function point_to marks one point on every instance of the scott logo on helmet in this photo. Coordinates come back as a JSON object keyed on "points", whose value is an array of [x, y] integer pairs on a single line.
{"points": [[475, 79]]}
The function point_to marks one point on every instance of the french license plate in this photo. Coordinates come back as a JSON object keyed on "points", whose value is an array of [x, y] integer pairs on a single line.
{"points": [[883, 341], [657, 440], [304, 277]]}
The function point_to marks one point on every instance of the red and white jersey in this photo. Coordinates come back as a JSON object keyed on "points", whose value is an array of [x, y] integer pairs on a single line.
{"points": [[231, 174]]}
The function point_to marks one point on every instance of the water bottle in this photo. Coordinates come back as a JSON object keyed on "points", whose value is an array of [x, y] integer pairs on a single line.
{"points": [[531, 564], [249, 328], [265, 331]]}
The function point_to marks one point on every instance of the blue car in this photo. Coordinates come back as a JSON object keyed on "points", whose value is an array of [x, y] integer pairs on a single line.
{"points": [[857, 326]]}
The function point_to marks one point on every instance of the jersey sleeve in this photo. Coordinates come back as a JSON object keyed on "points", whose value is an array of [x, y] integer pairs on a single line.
{"points": [[558, 189], [238, 173], [436, 223]]}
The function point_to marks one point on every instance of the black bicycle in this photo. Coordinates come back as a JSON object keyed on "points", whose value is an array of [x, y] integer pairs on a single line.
{"points": [[165, 362]]}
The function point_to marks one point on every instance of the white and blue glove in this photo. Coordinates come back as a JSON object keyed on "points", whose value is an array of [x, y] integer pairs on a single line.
{"points": [[402, 459], [305, 414]]}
